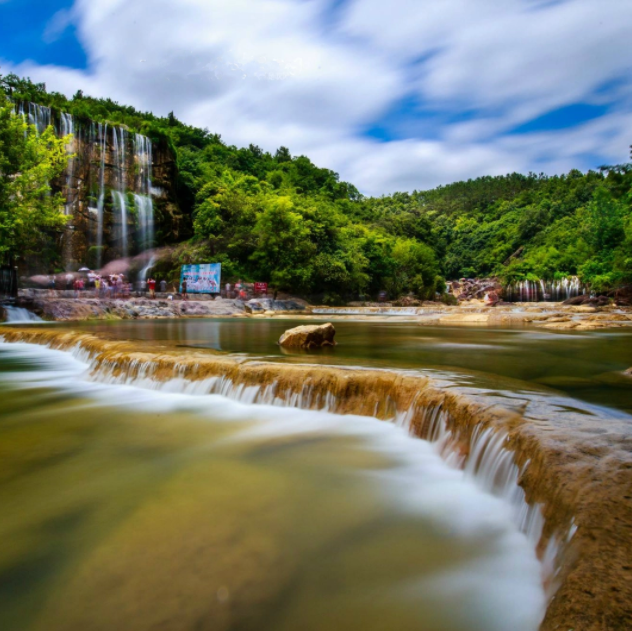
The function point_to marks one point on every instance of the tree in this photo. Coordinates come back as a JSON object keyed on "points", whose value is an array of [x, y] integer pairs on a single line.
{"points": [[284, 248], [29, 213]]}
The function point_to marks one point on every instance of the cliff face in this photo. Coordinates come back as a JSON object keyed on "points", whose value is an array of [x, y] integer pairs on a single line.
{"points": [[119, 189]]}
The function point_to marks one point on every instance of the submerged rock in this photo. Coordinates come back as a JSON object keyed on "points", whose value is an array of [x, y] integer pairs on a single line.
{"points": [[309, 336]]}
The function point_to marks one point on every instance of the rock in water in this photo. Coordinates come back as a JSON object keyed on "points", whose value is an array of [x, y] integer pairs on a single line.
{"points": [[309, 336]]}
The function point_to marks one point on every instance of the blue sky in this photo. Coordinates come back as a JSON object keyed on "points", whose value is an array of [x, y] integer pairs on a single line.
{"points": [[401, 95]]}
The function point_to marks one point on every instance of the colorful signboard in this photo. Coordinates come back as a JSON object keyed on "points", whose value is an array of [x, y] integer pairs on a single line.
{"points": [[261, 288], [201, 279]]}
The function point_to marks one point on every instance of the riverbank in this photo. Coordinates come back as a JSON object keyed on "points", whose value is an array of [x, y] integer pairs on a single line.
{"points": [[572, 465], [64, 307]]}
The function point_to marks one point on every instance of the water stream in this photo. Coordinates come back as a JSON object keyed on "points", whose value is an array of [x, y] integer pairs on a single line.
{"points": [[133, 509]]}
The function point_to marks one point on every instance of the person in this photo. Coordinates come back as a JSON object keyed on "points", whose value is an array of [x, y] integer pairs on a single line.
{"points": [[184, 289], [151, 283], [97, 286], [69, 281], [227, 290], [163, 286]]}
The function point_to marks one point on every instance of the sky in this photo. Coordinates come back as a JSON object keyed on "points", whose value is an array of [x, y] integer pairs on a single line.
{"points": [[394, 95]]}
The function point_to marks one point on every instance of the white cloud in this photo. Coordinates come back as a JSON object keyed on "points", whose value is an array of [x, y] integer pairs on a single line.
{"points": [[274, 72]]}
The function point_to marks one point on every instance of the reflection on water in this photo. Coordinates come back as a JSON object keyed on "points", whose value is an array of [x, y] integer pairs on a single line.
{"points": [[134, 510], [587, 365]]}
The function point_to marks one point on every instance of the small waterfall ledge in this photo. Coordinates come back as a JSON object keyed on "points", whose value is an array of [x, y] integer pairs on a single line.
{"points": [[565, 474]]}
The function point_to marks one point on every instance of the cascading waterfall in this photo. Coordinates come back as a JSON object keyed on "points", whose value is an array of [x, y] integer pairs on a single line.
{"points": [[109, 161], [545, 290], [38, 115], [102, 139], [142, 199], [119, 199], [67, 127]]}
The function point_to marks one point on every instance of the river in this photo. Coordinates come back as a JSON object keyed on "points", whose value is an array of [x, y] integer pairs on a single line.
{"points": [[134, 509]]}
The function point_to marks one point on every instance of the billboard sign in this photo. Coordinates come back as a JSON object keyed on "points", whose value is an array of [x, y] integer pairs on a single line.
{"points": [[201, 279], [261, 288]]}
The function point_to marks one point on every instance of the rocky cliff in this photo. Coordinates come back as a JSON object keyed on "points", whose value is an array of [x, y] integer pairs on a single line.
{"points": [[119, 188]]}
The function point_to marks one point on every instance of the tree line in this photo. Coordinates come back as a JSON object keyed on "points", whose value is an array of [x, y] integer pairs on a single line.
{"points": [[279, 218]]}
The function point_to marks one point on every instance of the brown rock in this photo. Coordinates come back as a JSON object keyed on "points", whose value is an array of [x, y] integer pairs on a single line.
{"points": [[309, 336]]}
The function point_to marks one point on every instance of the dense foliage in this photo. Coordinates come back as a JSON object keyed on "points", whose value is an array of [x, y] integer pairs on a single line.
{"points": [[279, 218], [523, 227], [30, 216]]}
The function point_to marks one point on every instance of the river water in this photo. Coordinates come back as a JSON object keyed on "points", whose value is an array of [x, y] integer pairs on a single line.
{"points": [[587, 365], [132, 509]]}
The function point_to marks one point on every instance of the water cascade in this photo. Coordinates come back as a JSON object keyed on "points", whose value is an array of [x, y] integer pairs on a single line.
{"points": [[488, 438], [142, 199], [38, 115], [378, 311], [545, 290], [67, 127], [419, 542], [106, 167], [119, 199], [19, 315], [101, 139]]}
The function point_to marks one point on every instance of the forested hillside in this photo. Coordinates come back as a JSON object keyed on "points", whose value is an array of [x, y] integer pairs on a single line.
{"points": [[281, 219]]}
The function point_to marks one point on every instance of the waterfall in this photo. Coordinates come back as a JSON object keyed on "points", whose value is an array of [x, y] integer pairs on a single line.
{"points": [[119, 200], [38, 115], [102, 139], [142, 199], [21, 315], [67, 127], [545, 290], [107, 175]]}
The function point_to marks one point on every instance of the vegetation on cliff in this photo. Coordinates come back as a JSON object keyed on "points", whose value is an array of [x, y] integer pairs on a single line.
{"points": [[30, 215], [279, 218]]}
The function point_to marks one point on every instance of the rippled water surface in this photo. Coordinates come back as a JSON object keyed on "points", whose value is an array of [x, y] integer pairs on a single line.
{"points": [[128, 509], [587, 365]]}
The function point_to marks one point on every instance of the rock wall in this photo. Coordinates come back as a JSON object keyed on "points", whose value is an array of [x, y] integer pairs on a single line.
{"points": [[119, 187]]}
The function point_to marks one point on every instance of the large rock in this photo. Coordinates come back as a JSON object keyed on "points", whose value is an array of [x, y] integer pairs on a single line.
{"points": [[309, 336]]}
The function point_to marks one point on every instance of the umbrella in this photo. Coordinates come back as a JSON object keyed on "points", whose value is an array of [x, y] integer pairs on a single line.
{"points": [[85, 269]]}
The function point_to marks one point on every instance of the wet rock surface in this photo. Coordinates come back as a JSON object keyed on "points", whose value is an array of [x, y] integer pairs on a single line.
{"points": [[309, 336]]}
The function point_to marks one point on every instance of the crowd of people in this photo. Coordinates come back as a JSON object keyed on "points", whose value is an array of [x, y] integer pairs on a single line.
{"points": [[89, 284], [105, 286]]}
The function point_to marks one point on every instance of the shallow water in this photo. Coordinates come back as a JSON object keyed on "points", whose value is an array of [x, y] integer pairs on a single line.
{"points": [[132, 509], [587, 365]]}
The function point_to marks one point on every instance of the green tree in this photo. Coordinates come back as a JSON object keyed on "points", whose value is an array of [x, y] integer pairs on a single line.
{"points": [[284, 249], [29, 213]]}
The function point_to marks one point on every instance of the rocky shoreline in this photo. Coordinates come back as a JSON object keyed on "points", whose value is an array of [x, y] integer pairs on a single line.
{"points": [[64, 307]]}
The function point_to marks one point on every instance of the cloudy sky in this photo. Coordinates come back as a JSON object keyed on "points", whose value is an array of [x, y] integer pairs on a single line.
{"points": [[392, 94]]}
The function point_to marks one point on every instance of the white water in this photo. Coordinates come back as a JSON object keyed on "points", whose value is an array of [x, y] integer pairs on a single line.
{"points": [[556, 290], [67, 125], [392, 311], [38, 115], [489, 465], [499, 590], [142, 199], [18, 314], [143, 272], [102, 139]]}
